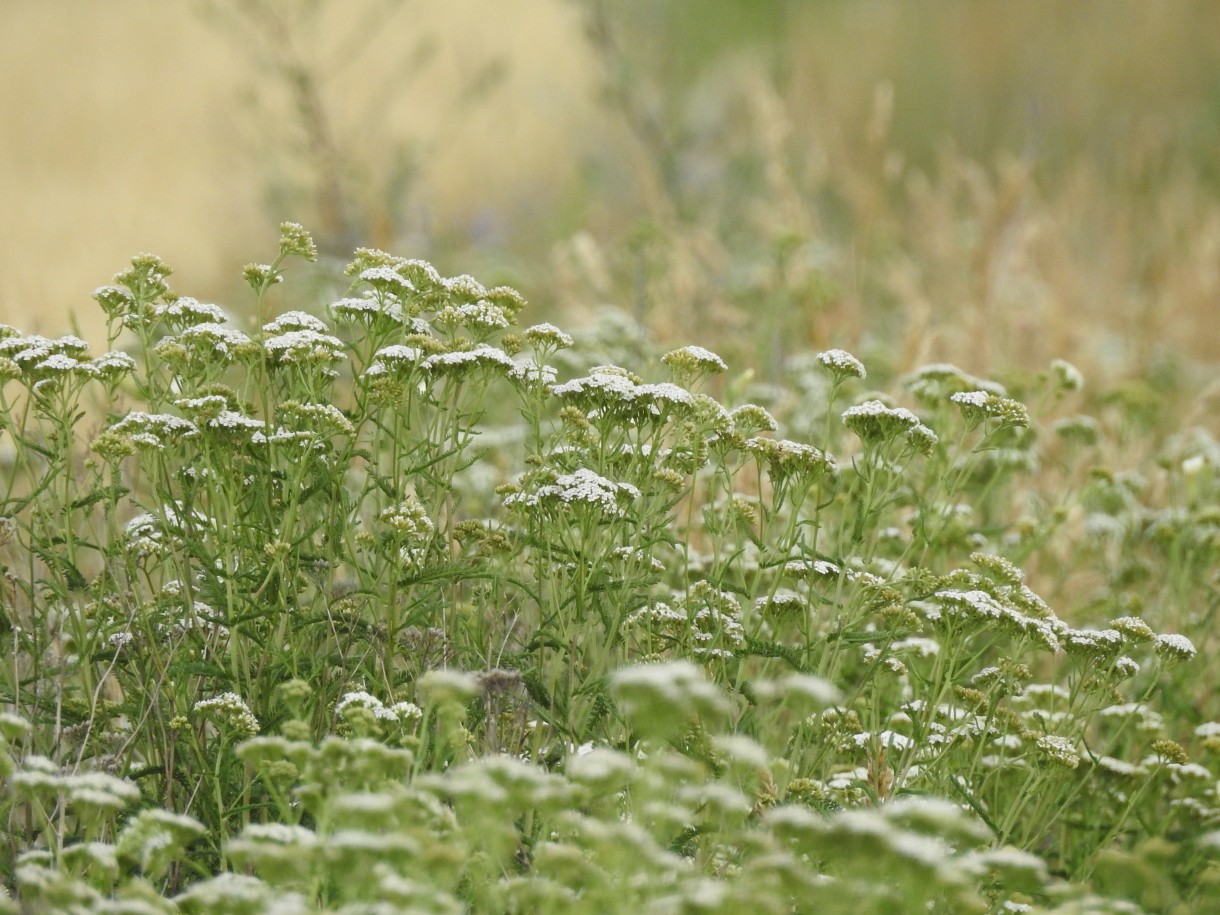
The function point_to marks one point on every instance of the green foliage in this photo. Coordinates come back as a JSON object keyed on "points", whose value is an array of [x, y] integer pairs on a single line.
{"points": [[372, 609]]}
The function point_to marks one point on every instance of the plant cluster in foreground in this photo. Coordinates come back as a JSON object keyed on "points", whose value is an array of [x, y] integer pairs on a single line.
{"points": [[403, 606]]}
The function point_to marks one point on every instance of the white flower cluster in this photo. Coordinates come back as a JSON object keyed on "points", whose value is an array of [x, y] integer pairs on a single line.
{"points": [[715, 621], [199, 618], [890, 740], [408, 519], [213, 338], [982, 607], [1066, 375], [29, 352], [876, 423], [1059, 750], [933, 383], [229, 710], [583, 487], [803, 568], [689, 362], [785, 458], [394, 359], [366, 308], [1100, 644], [465, 287], [459, 362], [750, 419], [387, 280], [304, 347], [480, 315], [295, 320], [187, 311], [842, 364], [611, 390], [547, 336], [979, 405], [152, 430], [1172, 646], [529, 372], [86, 789], [783, 602], [232, 421], [41, 359], [399, 711]]}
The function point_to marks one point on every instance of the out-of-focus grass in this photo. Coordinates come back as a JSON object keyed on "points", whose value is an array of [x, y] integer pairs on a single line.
{"points": [[134, 125], [990, 183]]}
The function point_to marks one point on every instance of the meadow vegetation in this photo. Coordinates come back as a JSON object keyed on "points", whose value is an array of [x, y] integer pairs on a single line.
{"points": [[406, 603], [809, 575]]}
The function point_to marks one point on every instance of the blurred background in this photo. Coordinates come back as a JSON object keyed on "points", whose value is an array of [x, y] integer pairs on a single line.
{"points": [[991, 183]]}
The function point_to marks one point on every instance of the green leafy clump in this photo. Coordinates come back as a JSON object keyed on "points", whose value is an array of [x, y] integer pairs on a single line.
{"points": [[369, 607]]}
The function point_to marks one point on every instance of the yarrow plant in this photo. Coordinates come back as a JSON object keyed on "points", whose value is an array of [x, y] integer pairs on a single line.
{"points": [[386, 605]]}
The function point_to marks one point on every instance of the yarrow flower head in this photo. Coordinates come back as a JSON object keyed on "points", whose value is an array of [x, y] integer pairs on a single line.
{"points": [[1093, 644], [408, 519], [261, 277], [1134, 628], [1059, 750], [581, 488], [364, 700], [396, 359], [143, 430], [368, 309], [842, 364], [547, 337], [33, 352], [689, 363], [875, 423], [786, 459], [464, 288], [481, 316], [186, 312], [750, 419], [229, 710], [932, 384], [459, 363], [304, 348], [387, 281], [611, 391], [211, 339], [112, 366], [295, 320], [295, 240], [979, 406], [1174, 647]]}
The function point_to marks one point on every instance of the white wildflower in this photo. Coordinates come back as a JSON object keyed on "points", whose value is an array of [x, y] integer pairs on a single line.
{"points": [[1059, 750], [842, 364], [547, 336], [583, 487], [891, 740], [387, 280], [1172, 646], [295, 320], [366, 308], [186, 310], [229, 710], [305, 346]]}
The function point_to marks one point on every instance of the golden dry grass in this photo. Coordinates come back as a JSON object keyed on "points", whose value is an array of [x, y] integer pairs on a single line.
{"points": [[124, 130]]}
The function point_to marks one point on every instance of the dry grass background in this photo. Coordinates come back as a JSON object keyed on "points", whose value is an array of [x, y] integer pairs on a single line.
{"points": [[130, 126], [991, 183]]}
